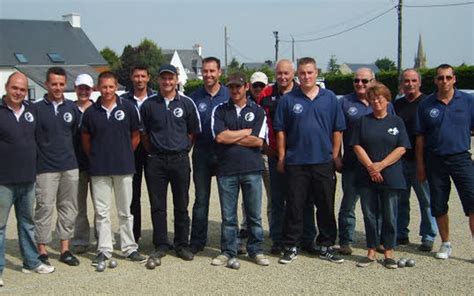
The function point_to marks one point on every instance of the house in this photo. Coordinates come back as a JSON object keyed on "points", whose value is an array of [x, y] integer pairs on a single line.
{"points": [[349, 68], [33, 46], [188, 62], [257, 66]]}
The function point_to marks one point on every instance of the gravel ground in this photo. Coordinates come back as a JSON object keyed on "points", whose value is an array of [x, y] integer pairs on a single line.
{"points": [[306, 275]]}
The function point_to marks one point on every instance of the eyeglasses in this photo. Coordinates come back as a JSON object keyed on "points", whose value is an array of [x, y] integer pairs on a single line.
{"points": [[442, 78], [364, 81]]}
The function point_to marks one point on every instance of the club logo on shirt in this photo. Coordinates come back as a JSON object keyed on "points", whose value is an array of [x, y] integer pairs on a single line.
{"points": [[298, 108], [393, 131], [202, 107], [352, 111], [67, 117], [178, 112], [249, 116], [434, 113], [29, 117], [119, 115]]}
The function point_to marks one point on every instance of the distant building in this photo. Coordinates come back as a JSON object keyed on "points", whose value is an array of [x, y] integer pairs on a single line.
{"points": [[187, 61], [420, 58], [32, 46], [350, 68], [257, 66]]}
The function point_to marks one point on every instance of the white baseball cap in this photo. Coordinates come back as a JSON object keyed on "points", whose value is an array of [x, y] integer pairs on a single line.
{"points": [[259, 77], [84, 79]]}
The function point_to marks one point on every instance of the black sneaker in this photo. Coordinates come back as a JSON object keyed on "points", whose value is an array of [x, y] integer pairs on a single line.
{"points": [[426, 246], [185, 254], [390, 263], [196, 249], [136, 257], [68, 258], [403, 241], [328, 253], [161, 251], [276, 249], [289, 255], [99, 258], [312, 250], [44, 258]]}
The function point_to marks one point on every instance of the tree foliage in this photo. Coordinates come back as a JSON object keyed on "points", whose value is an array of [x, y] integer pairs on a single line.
{"points": [[385, 64], [111, 57], [333, 66]]}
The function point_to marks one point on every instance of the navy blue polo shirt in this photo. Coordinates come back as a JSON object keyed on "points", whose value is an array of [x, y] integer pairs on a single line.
{"points": [[129, 96], [110, 138], [379, 137], [354, 109], [82, 158], [168, 127], [17, 145], [233, 158], [55, 135], [309, 125], [446, 128], [205, 104]]}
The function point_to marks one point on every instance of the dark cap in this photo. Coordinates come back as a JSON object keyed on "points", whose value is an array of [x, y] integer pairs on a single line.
{"points": [[237, 78], [167, 68]]}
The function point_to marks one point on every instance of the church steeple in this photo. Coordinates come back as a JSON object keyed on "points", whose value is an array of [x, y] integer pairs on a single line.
{"points": [[420, 59]]}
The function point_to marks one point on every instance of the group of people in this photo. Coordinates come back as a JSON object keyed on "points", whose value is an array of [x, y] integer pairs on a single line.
{"points": [[293, 134]]}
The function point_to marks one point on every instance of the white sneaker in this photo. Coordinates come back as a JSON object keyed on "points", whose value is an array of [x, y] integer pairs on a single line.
{"points": [[444, 251], [219, 260], [42, 269], [1, 281], [261, 259]]}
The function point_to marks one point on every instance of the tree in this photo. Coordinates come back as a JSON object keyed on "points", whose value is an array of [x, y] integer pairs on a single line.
{"points": [[111, 57], [385, 64], [147, 53], [333, 66]]}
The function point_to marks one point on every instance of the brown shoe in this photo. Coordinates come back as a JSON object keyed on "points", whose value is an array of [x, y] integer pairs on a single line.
{"points": [[345, 250]]}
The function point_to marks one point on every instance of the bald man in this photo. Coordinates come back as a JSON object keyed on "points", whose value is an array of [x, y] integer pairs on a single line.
{"points": [[17, 175], [268, 99]]}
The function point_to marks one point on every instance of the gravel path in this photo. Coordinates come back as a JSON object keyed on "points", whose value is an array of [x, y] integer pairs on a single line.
{"points": [[306, 275]]}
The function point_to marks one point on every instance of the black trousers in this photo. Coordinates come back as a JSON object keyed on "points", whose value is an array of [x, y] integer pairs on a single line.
{"points": [[160, 171], [310, 185], [135, 207]]}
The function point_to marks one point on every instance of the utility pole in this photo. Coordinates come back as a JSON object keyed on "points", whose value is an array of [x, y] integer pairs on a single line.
{"points": [[225, 46], [275, 33], [292, 49], [399, 62]]}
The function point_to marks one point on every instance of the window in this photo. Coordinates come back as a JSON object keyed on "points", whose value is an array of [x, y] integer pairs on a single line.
{"points": [[55, 57], [31, 94], [21, 58]]}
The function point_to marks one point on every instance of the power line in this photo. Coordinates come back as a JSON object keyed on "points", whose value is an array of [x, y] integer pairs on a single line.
{"points": [[440, 5], [343, 31], [238, 52]]}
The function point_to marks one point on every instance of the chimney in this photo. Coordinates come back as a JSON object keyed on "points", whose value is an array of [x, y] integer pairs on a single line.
{"points": [[73, 18], [198, 48]]}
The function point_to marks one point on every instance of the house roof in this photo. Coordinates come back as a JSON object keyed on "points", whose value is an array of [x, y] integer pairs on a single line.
{"points": [[38, 74], [189, 57], [36, 38], [355, 66], [253, 66]]}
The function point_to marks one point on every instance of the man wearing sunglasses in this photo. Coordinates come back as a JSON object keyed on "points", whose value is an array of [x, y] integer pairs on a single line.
{"points": [[444, 123]]}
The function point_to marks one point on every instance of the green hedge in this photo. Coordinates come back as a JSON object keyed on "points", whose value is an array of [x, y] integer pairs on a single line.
{"points": [[342, 84]]}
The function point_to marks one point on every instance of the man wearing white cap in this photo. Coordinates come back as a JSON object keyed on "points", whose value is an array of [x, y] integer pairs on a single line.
{"points": [[83, 86]]}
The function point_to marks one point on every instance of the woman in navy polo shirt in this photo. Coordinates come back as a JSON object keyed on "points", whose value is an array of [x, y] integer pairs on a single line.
{"points": [[379, 141]]}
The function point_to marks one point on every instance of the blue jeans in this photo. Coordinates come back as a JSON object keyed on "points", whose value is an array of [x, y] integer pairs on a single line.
{"points": [[347, 218], [428, 228], [204, 167], [22, 196], [381, 203], [279, 193], [229, 186]]}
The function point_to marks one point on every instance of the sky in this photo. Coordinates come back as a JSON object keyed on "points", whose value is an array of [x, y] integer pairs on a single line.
{"points": [[363, 30]]}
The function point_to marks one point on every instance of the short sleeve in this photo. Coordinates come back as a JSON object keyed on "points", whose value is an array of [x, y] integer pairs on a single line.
{"points": [[217, 120]]}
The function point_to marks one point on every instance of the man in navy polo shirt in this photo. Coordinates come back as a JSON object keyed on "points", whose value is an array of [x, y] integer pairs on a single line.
{"points": [[110, 133], [17, 175], [444, 123], [269, 99], [139, 93], [406, 107], [204, 156], [308, 123], [239, 129], [170, 121], [80, 242], [57, 170]]}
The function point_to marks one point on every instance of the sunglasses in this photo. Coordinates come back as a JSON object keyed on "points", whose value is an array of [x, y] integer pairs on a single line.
{"points": [[442, 78], [258, 84], [364, 81]]}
